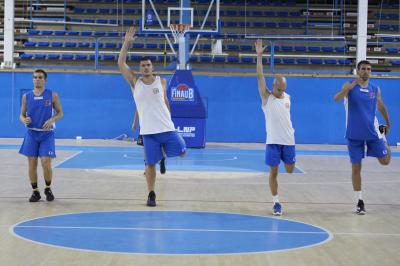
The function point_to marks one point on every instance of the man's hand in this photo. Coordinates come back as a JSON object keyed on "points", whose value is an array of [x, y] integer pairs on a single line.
{"points": [[27, 120], [48, 124], [129, 34], [259, 47], [349, 86]]}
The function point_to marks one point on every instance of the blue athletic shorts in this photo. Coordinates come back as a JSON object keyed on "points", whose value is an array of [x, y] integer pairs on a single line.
{"points": [[38, 144], [375, 148], [172, 144], [274, 153]]}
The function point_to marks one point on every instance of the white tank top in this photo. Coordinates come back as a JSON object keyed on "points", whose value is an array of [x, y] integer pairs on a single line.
{"points": [[154, 116], [277, 120]]}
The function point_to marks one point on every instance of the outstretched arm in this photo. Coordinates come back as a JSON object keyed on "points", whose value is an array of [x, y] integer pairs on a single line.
{"points": [[262, 86], [345, 90], [123, 66], [383, 110]]}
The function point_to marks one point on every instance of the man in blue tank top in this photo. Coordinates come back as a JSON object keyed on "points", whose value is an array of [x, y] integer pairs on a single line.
{"points": [[37, 115], [362, 99]]}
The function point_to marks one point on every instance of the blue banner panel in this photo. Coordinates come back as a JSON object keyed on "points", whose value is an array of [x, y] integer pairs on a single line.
{"points": [[184, 97], [193, 131]]}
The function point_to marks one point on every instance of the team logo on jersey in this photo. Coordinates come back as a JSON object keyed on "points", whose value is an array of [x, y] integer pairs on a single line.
{"points": [[47, 102], [287, 105], [372, 95], [156, 91], [182, 93]]}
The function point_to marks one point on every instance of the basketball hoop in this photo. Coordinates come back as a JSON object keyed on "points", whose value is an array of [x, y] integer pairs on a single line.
{"points": [[179, 30]]}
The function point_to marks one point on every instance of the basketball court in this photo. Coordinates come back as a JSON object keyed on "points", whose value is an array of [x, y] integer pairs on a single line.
{"points": [[208, 212], [214, 205]]}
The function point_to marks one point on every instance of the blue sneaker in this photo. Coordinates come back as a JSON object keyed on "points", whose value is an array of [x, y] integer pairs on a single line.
{"points": [[277, 209]]}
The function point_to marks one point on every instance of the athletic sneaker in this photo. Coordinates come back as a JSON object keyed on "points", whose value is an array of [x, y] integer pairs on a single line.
{"points": [[162, 166], [360, 209], [35, 196], [277, 209], [49, 194], [151, 199]]}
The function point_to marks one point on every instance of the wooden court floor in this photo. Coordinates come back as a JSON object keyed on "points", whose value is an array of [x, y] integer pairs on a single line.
{"points": [[321, 196]]}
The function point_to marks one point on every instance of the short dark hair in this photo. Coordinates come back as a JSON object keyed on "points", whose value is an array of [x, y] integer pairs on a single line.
{"points": [[41, 71], [362, 62], [144, 58]]}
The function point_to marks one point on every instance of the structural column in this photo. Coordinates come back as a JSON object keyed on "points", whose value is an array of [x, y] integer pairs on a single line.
{"points": [[8, 35], [362, 19]]}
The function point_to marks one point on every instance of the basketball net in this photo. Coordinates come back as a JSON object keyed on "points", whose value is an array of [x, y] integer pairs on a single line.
{"points": [[179, 30]]}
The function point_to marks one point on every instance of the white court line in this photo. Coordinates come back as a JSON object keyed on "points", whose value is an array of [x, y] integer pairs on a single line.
{"points": [[206, 230], [168, 229], [188, 160], [68, 158]]}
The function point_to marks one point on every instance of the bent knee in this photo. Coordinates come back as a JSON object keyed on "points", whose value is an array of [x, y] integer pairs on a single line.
{"points": [[384, 160], [289, 169]]}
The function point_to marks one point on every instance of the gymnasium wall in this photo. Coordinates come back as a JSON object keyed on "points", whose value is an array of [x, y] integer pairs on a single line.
{"points": [[101, 106]]}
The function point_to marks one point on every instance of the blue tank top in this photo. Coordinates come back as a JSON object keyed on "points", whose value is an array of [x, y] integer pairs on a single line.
{"points": [[39, 108], [361, 113]]}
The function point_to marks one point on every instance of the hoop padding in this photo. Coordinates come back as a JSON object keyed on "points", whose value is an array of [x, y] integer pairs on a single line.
{"points": [[179, 30]]}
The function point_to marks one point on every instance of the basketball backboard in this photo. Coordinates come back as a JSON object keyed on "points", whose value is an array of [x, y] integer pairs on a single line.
{"points": [[203, 16]]}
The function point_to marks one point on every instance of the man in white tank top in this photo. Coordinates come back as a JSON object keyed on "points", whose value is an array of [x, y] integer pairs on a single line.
{"points": [[156, 126], [280, 143]]}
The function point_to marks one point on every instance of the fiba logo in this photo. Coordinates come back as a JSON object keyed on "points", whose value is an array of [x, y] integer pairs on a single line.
{"points": [[182, 93]]}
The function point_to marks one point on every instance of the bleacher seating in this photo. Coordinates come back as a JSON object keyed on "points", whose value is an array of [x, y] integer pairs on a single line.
{"points": [[279, 17]]}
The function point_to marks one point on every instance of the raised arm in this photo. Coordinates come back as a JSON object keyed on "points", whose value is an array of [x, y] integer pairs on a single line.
{"points": [[383, 110], [59, 112], [123, 66], [262, 86], [345, 90]]}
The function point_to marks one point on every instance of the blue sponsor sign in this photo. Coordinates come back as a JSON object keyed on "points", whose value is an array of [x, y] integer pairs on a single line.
{"points": [[187, 108], [184, 96], [192, 130]]}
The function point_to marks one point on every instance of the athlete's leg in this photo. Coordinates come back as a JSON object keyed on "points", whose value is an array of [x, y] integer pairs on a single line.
{"points": [[173, 144], [273, 180], [273, 154], [288, 156], [47, 170], [289, 168], [32, 169], [150, 176], [356, 176]]}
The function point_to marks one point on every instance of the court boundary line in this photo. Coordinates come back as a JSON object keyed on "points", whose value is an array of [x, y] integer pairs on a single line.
{"points": [[66, 159]]}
